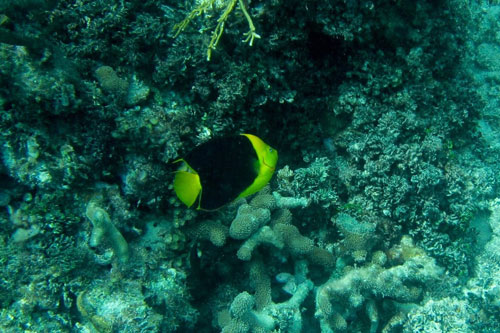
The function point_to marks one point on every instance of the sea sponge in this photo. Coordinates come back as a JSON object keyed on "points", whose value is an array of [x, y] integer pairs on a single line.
{"points": [[105, 229]]}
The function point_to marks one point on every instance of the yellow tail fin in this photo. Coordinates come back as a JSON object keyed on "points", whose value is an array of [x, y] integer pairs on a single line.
{"points": [[187, 186]]}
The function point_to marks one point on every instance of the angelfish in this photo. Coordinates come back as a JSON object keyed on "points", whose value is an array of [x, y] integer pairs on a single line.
{"points": [[224, 169]]}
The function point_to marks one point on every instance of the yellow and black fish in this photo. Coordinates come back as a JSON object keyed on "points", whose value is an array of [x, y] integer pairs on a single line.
{"points": [[224, 169]]}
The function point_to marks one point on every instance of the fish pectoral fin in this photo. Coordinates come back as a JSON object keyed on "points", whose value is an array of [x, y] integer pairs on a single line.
{"points": [[187, 187]]}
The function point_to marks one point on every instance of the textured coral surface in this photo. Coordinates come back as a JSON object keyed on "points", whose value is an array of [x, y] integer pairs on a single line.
{"points": [[383, 214]]}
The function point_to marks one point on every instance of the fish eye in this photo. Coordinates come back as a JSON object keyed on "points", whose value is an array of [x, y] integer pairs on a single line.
{"points": [[270, 149]]}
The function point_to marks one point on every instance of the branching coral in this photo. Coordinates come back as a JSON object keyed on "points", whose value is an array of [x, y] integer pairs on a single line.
{"points": [[228, 6], [265, 235], [339, 299], [248, 220], [259, 313], [358, 236], [251, 226], [210, 230], [244, 317]]}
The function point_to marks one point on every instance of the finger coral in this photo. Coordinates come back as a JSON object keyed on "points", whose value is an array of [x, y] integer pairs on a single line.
{"points": [[368, 287]]}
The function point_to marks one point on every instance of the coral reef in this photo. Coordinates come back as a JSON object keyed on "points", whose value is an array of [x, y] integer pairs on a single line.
{"points": [[226, 7], [103, 228], [281, 234], [358, 237], [368, 287], [248, 220], [130, 306], [444, 315], [383, 214], [267, 315]]}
